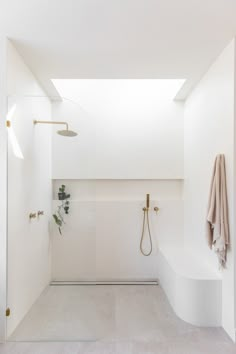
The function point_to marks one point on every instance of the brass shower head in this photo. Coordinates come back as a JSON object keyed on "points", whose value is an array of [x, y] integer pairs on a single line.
{"points": [[65, 132]]}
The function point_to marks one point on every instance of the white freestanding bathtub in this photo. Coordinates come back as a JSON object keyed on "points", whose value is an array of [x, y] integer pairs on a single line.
{"points": [[193, 288]]}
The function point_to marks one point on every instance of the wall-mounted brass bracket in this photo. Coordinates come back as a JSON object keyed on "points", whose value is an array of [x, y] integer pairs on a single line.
{"points": [[32, 216]]}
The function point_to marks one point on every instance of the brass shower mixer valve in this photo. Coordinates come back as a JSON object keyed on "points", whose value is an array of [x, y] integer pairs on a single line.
{"points": [[156, 209], [32, 216]]}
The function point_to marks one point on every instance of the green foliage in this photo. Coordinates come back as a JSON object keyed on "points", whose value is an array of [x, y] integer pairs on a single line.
{"points": [[57, 220], [63, 208], [62, 188]]}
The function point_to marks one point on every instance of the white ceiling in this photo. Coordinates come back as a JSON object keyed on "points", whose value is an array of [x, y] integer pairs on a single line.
{"points": [[64, 39]]}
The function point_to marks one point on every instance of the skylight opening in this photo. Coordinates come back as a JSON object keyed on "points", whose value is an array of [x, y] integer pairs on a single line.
{"points": [[108, 91]]}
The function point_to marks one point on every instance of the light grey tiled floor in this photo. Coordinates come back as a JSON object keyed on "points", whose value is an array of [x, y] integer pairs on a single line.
{"points": [[111, 319]]}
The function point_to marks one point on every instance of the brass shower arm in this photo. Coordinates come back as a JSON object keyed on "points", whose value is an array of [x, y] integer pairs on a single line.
{"points": [[65, 132], [50, 122]]}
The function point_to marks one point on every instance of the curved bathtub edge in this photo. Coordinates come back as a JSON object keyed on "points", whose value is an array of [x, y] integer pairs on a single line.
{"points": [[196, 301]]}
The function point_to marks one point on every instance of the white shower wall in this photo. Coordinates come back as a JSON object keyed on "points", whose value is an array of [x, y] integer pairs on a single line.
{"points": [[141, 140], [101, 237], [29, 190], [210, 130], [124, 149]]}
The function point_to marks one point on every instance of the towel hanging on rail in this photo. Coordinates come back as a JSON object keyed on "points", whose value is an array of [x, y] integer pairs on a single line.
{"points": [[217, 213]]}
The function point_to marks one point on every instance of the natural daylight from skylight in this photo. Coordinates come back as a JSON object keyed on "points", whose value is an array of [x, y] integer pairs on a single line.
{"points": [[94, 93]]}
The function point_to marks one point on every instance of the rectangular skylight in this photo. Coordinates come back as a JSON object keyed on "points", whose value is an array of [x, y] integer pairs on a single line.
{"points": [[94, 93]]}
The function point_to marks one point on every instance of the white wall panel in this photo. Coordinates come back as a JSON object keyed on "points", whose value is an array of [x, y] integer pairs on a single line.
{"points": [[29, 190]]}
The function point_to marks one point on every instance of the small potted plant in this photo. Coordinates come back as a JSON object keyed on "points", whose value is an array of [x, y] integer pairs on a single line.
{"points": [[63, 208]]}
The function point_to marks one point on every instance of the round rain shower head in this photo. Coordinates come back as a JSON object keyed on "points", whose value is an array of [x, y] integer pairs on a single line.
{"points": [[67, 132]]}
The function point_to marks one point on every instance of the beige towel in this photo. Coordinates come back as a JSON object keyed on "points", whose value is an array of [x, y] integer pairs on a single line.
{"points": [[217, 216]]}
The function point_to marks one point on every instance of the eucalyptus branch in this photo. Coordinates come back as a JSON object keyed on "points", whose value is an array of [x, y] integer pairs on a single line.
{"points": [[63, 208], [59, 212]]}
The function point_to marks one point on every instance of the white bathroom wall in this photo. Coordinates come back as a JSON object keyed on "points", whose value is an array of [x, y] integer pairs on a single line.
{"points": [[3, 189], [101, 237], [129, 143], [209, 130], [29, 190], [131, 137]]}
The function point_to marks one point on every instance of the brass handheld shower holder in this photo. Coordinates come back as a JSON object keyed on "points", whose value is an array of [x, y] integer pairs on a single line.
{"points": [[146, 220]]}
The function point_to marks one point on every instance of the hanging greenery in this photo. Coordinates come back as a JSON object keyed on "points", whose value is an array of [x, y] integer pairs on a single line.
{"points": [[63, 208]]}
